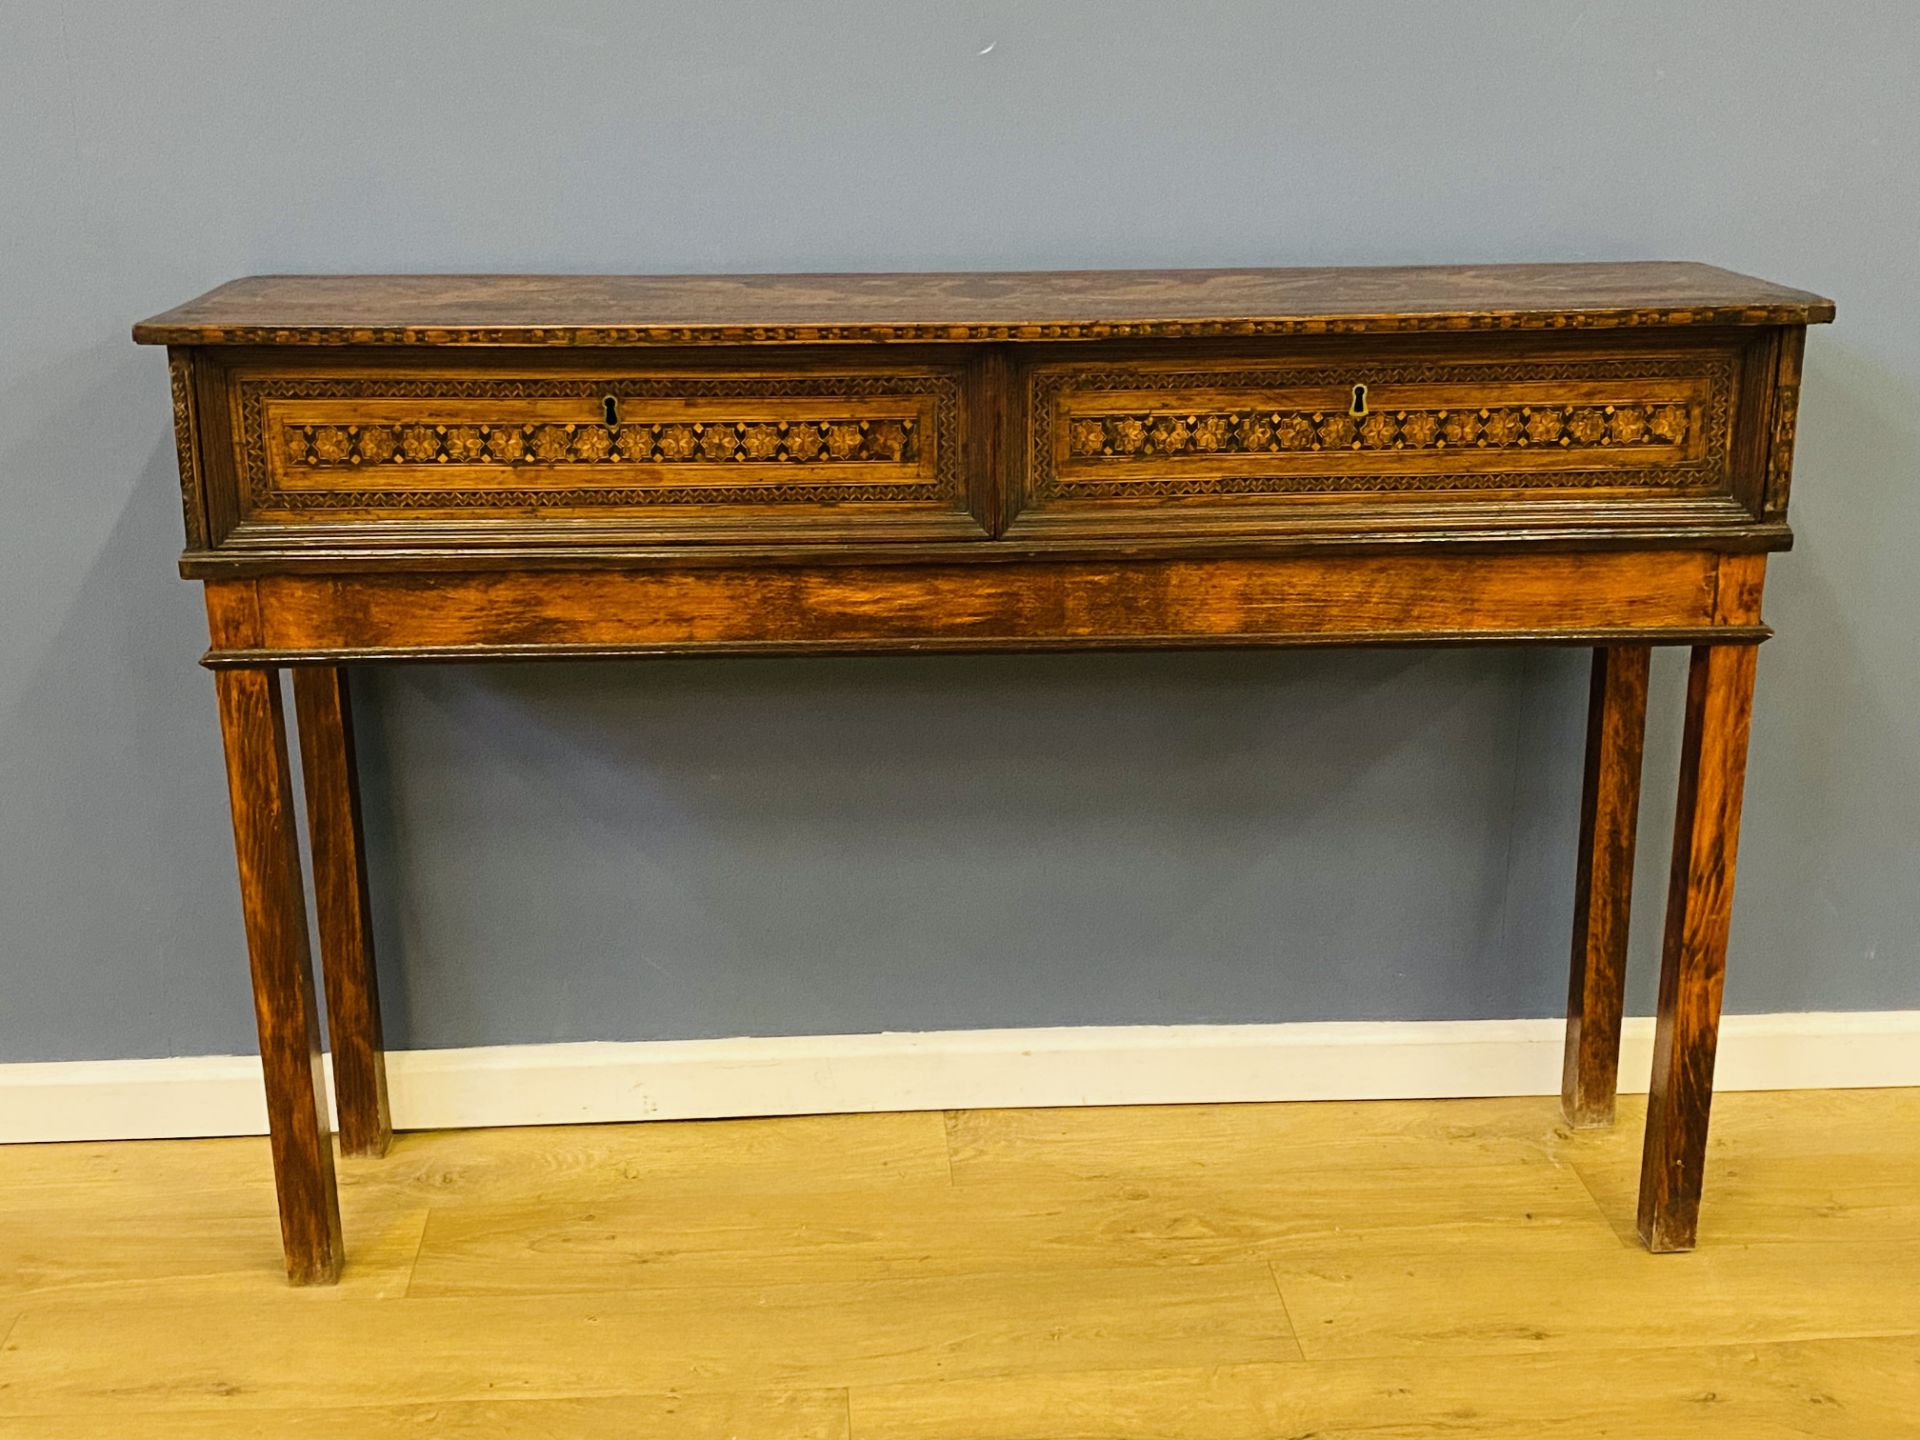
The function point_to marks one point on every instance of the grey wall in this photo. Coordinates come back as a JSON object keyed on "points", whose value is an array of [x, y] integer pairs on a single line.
{"points": [[703, 848]]}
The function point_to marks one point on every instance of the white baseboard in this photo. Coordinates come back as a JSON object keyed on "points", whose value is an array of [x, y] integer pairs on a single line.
{"points": [[946, 1070]]}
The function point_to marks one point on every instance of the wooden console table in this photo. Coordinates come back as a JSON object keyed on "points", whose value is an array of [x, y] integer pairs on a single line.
{"points": [[491, 467]]}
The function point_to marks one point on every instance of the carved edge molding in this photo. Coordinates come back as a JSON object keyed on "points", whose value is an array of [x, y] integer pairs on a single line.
{"points": [[618, 335], [1046, 484], [948, 484], [185, 428]]}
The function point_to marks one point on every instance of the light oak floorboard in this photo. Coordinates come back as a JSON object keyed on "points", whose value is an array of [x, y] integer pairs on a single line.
{"points": [[1802, 1122], [57, 1254], [1771, 1123], [1451, 1268], [770, 1415], [531, 1165], [597, 1163], [1256, 1142], [1820, 1390], [277, 1354], [1247, 1142], [1474, 1298], [985, 1230], [1760, 1199], [226, 1176]]}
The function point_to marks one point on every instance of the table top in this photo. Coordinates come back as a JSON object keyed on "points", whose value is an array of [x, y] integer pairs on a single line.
{"points": [[599, 310]]}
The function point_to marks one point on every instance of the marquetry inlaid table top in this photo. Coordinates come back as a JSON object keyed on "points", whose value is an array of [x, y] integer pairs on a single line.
{"points": [[1009, 305]]}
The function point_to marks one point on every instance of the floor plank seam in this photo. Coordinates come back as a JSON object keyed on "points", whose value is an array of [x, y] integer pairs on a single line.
{"points": [[1577, 1346], [949, 1121], [413, 1265], [1293, 1330], [1701, 1348]]}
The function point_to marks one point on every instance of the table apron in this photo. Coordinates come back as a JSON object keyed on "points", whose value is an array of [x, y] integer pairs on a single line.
{"points": [[1661, 596]]}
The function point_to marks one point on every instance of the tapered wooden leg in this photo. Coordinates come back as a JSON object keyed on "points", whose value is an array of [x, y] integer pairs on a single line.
{"points": [[325, 712], [1603, 884], [1713, 764], [273, 899]]}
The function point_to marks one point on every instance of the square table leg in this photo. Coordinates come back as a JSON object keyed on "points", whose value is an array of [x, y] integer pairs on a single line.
{"points": [[322, 702], [1603, 884], [274, 903], [1713, 763]]}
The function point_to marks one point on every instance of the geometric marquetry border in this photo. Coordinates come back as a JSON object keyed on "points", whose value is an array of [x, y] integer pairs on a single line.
{"points": [[1711, 470], [186, 447], [947, 485], [505, 445]]}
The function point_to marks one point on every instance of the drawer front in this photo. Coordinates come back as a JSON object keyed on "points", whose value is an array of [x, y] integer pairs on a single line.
{"points": [[686, 455], [1106, 441]]}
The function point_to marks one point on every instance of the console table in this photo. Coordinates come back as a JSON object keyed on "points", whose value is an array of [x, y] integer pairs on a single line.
{"points": [[397, 468]]}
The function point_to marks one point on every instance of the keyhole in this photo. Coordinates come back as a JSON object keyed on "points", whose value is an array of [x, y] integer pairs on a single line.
{"points": [[1359, 407], [610, 407]]}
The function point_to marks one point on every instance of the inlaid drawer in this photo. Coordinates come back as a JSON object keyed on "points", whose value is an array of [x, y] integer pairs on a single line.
{"points": [[1134, 446], [606, 453]]}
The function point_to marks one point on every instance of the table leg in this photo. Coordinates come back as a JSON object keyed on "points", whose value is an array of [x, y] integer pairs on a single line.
{"points": [[1603, 884], [274, 903], [1713, 763], [321, 700]]}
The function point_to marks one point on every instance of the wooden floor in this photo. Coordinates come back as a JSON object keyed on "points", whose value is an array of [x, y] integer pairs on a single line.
{"points": [[1456, 1269]]}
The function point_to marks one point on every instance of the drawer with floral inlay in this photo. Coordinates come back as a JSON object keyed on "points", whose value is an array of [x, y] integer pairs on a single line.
{"points": [[1307, 439], [527, 454]]}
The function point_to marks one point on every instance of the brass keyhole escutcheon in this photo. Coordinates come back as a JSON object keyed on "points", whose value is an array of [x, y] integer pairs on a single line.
{"points": [[610, 408], [1358, 410]]}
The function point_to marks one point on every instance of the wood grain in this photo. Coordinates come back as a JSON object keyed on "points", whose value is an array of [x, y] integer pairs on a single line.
{"points": [[1427, 1304], [1814, 1390], [200, 1173], [532, 1167], [1739, 589], [664, 1161], [1428, 598], [1603, 882], [1836, 1123], [273, 901], [698, 1415], [191, 1254], [1485, 1297], [648, 1243], [1862, 1141], [1713, 761], [1264, 1145], [72, 1357], [995, 306], [1774, 1197], [331, 773]]}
